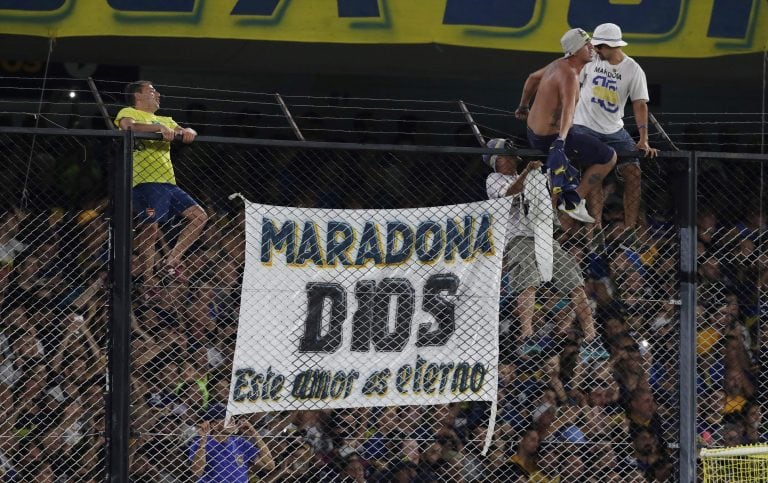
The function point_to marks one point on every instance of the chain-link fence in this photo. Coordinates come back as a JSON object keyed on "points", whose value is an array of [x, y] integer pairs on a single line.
{"points": [[589, 364], [731, 307], [53, 290]]}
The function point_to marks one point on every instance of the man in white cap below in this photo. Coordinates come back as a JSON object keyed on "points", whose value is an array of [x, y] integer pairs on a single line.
{"points": [[550, 119], [519, 267]]}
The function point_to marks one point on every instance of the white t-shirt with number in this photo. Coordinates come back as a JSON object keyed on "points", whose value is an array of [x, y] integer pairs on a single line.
{"points": [[605, 89]]}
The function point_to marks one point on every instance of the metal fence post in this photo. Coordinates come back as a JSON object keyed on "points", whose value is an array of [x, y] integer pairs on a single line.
{"points": [[118, 431], [688, 453], [472, 123], [291, 120]]}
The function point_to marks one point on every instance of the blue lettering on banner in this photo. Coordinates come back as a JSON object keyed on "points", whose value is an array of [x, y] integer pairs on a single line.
{"points": [[371, 321], [402, 234], [429, 241], [253, 386], [255, 7], [489, 13], [441, 307], [337, 247], [484, 239], [358, 8], [309, 248], [654, 20], [362, 319], [314, 340], [730, 18], [459, 238], [301, 242], [646, 17], [431, 378], [370, 246], [402, 292], [282, 240], [38, 6], [175, 6]]}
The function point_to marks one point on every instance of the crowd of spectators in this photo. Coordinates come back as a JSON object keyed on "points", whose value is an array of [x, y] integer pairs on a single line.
{"points": [[52, 340], [563, 411]]}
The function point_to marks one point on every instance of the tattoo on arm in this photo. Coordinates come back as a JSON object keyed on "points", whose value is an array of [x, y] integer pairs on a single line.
{"points": [[556, 117]]}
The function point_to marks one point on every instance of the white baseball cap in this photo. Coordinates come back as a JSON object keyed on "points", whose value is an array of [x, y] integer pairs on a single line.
{"points": [[496, 143], [573, 40], [608, 34]]}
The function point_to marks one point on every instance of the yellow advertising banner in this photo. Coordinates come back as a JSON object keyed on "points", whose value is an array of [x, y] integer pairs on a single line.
{"points": [[661, 28]]}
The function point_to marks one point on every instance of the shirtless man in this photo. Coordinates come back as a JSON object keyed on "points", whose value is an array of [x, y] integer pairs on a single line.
{"points": [[550, 118]]}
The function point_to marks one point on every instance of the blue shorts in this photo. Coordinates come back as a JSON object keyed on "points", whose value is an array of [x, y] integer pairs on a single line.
{"points": [[620, 140], [159, 202], [585, 149]]}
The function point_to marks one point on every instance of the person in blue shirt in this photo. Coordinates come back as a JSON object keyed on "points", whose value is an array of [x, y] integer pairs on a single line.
{"points": [[219, 455]]}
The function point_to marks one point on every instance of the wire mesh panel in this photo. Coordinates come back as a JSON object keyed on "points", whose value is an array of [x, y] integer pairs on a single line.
{"points": [[588, 364], [732, 276], [590, 392], [593, 393], [200, 319], [53, 327]]}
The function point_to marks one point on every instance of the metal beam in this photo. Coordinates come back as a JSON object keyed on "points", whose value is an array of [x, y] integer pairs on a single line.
{"points": [[687, 364], [119, 386], [472, 123], [288, 116]]}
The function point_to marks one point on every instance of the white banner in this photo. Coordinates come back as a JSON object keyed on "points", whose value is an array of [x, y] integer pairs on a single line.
{"points": [[354, 308]]}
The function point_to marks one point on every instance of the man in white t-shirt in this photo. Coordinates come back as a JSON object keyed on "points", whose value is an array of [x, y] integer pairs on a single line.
{"points": [[606, 84], [519, 252]]}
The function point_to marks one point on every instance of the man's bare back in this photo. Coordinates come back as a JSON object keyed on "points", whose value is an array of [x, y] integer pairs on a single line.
{"points": [[559, 86]]}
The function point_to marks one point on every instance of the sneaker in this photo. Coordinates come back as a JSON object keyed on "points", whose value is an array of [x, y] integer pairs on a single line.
{"points": [[578, 212]]}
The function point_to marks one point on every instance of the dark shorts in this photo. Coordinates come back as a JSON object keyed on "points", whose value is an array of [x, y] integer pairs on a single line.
{"points": [[620, 141], [582, 148], [159, 202]]}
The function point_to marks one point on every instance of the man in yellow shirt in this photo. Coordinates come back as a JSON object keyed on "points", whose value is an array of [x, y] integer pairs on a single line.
{"points": [[156, 198]]}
